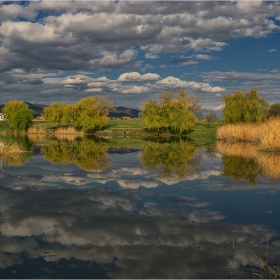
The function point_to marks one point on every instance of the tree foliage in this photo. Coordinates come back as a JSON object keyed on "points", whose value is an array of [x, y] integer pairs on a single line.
{"points": [[86, 153], [244, 107], [87, 114], [21, 119], [11, 107], [240, 169], [175, 160], [274, 110], [174, 111]]}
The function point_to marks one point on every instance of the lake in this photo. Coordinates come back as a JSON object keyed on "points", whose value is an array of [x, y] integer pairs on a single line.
{"points": [[86, 209]]}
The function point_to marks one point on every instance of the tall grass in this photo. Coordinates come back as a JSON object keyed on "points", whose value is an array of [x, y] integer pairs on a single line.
{"points": [[67, 130], [265, 135], [36, 129], [9, 149]]}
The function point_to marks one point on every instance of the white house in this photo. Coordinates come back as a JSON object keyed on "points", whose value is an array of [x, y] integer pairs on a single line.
{"points": [[2, 116]]}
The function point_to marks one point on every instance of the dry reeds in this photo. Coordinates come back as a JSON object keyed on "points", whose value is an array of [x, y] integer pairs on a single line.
{"points": [[266, 271], [36, 129], [67, 130], [265, 135], [9, 149], [66, 137]]}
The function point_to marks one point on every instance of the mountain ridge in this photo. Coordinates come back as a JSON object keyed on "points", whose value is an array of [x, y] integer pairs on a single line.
{"points": [[118, 112]]}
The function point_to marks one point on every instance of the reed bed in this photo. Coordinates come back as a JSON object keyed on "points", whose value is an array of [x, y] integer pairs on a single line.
{"points": [[36, 129], [66, 137], [36, 137], [10, 149], [67, 130], [265, 135], [267, 161]]}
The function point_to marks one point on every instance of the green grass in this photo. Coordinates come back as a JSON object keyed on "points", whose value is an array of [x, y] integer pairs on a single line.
{"points": [[135, 123], [4, 126], [202, 134]]}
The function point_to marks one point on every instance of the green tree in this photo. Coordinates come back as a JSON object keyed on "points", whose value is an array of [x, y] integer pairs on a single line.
{"points": [[176, 160], [88, 154], [89, 113], [171, 110], [274, 110], [11, 107], [240, 169], [244, 107], [21, 119], [211, 118]]}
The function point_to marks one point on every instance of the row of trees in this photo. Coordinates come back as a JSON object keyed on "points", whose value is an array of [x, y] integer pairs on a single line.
{"points": [[88, 114], [175, 111]]}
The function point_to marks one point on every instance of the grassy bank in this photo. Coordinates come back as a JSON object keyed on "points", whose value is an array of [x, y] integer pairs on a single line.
{"points": [[265, 135], [120, 132]]}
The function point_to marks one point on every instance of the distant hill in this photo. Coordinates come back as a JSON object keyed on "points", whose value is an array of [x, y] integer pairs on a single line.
{"points": [[37, 108], [124, 111], [116, 112]]}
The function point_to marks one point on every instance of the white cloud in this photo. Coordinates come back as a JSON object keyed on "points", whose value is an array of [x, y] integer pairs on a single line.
{"points": [[135, 76], [204, 57], [177, 83], [272, 50], [128, 77]]}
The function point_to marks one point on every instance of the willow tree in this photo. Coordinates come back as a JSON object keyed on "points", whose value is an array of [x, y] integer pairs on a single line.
{"points": [[244, 107], [170, 110], [11, 107], [87, 114]]}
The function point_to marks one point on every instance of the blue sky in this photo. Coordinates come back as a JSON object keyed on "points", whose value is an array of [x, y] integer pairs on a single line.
{"points": [[129, 51]]}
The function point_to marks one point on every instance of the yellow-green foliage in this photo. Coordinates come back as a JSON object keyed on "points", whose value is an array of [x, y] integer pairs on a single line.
{"points": [[243, 107], [170, 112], [11, 107], [256, 161], [173, 160], [87, 114], [266, 134], [86, 153]]}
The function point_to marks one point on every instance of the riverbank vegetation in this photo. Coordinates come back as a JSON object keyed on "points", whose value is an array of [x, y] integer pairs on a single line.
{"points": [[265, 135]]}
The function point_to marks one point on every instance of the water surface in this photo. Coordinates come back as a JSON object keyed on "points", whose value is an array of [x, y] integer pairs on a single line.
{"points": [[85, 209]]}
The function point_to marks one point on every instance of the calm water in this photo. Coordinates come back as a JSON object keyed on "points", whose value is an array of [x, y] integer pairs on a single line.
{"points": [[81, 210]]}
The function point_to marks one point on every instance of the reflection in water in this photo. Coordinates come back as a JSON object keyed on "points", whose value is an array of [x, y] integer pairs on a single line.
{"points": [[88, 154], [16, 159], [62, 222], [244, 161], [177, 159], [240, 168]]}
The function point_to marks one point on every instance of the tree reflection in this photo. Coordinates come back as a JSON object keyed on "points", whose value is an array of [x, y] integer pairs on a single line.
{"points": [[240, 169], [177, 159], [88, 154], [245, 161]]}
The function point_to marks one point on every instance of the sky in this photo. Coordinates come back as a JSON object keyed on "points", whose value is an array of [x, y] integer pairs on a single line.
{"points": [[129, 51]]}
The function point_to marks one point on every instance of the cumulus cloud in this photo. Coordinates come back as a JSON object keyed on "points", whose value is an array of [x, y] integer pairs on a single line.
{"points": [[135, 76], [177, 83]]}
